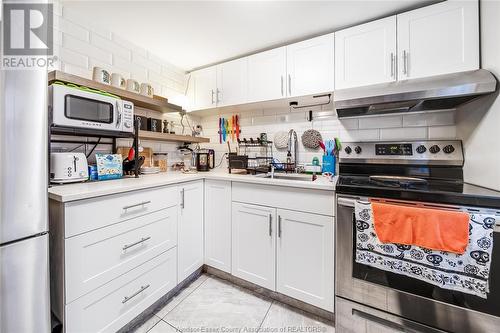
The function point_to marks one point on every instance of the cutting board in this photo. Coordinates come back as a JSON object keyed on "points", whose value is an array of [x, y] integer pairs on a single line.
{"points": [[146, 152]]}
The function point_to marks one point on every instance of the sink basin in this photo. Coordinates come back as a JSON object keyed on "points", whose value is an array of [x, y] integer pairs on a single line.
{"points": [[290, 176]]}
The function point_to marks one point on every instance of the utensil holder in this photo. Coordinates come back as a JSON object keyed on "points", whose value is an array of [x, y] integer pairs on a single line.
{"points": [[328, 164]]}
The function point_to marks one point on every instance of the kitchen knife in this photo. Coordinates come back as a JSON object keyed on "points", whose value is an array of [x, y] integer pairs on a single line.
{"points": [[220, 130]]}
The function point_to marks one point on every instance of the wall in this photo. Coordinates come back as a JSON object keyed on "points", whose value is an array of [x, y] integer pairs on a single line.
{"points": [[436, 125], [80, 45], [479, 122]]}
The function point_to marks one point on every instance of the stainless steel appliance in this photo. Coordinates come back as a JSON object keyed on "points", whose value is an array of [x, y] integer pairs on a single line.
{"points": [[427, 173], [438, 92], [68, 168], [24, 272], [85, 108]]}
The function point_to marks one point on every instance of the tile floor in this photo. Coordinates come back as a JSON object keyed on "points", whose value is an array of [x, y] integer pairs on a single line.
{"points": [[210, 304]]}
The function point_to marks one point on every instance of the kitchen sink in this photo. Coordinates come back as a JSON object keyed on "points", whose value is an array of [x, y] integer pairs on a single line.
{"points": [[288, 176]]}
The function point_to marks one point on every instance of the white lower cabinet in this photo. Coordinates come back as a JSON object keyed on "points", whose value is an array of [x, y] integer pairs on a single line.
{"points": [[286, 251], [190, 229], [113, 305], [218, 224], [254, 244], [97, 257], [305, 257]]}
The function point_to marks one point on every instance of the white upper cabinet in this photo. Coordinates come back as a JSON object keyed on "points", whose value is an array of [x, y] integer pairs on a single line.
{"points": [[310, 66], [438, 39], [266, 75], [203, 86], [366, 54], [232, 82]]}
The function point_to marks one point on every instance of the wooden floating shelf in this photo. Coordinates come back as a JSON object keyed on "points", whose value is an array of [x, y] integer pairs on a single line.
{"points": [[147, 135], [156, 103]]}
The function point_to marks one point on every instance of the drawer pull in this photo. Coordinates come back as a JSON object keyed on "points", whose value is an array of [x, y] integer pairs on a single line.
{"points": [[137, 205], [128, 298], [142, 240]]}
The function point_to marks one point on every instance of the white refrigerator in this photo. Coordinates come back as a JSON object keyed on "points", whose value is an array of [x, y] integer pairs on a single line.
{"points": [[24, 256]]}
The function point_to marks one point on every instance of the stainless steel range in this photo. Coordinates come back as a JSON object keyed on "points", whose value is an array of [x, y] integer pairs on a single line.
{"points": [[423, 174]]}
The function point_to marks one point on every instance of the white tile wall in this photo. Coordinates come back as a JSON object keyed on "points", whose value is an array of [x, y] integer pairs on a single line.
{"points": [[80, 45]]}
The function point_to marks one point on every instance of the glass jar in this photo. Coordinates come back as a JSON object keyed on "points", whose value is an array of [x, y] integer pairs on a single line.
{"points": [[160, 160]]}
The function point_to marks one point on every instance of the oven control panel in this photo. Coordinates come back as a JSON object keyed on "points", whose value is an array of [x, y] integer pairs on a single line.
{"points": [[417, 152]]}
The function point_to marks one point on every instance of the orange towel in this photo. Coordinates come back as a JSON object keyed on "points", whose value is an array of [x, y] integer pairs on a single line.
{"points": [[433, 229]]}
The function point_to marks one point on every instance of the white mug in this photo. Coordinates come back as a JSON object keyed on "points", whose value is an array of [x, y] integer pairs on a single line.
{"points": [[118, 81], [147, 90], [133, 85], [101, 75]]}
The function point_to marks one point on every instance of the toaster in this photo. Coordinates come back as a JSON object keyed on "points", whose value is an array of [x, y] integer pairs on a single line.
{"points": [[68, 168]]}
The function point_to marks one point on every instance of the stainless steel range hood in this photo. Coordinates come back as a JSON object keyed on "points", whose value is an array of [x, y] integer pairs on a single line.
{"points": [[442, 92]]}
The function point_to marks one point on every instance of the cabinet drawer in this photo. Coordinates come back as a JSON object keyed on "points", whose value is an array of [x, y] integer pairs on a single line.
{"points": [[95, 258], [85, 215], [299, 199], [113, 305]]}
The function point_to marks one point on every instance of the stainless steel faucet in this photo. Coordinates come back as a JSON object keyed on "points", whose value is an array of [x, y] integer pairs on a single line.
{"points": [[292, 135]]}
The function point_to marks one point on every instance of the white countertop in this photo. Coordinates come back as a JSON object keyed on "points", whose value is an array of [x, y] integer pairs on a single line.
{"points": [[79, 191]]}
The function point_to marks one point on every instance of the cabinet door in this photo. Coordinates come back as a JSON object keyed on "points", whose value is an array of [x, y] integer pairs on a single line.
{"points": [[218, 224], [438, 39], [190, 229], [266, 75], [305, 258], [232, 82], [366, 54], [205, 86], [310, 66], [253, 244]]}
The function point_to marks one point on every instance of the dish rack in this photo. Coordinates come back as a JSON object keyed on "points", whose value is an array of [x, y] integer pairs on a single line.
{"points": [[254, 156]]}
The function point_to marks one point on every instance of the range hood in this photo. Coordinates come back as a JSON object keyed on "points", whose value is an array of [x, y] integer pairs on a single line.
{"points": [[441, 92]]}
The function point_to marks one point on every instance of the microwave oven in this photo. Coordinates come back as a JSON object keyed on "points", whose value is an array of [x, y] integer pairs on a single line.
{"points": [[85, 108]]}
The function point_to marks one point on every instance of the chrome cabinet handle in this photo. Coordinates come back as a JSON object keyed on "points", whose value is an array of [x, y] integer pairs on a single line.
{"points": [[128, 298], [212, 96], [405, 61], [279, 226], [142, 240], [290, 84], [392, 64], [270, 225], [182, 198], [281, 85], [217, 100], [137, 205]]}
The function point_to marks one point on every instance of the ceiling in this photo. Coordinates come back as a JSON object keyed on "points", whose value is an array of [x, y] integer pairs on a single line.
{"points": [[193, 34]]}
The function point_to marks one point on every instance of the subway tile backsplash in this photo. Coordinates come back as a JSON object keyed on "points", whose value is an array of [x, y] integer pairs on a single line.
{"points": [[418, 126]]}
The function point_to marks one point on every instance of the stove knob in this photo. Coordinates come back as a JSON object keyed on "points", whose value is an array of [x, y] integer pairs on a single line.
{"points": [[434, 149], [449, 149], [357, 150], [421, 149], [348, 150]]}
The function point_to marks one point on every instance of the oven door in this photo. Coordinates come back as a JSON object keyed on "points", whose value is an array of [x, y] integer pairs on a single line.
{"points": [[73, 107], [410, 298]]}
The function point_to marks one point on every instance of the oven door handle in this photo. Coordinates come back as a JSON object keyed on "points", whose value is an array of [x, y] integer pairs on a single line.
{"points": [[404, 325], [346, 202]]}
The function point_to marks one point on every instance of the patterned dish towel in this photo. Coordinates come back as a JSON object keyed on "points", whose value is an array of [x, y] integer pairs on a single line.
{"points": [[467, 272]]}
